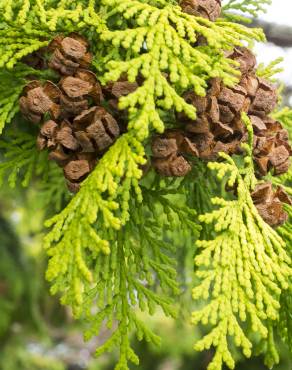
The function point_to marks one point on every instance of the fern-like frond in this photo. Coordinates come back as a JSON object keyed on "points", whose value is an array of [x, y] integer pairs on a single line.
{"points": [[52, 190], [269, 71], [242, 270], [41, 17], [138, 274], [285, 321], [244, 10], [159, 47], [101, 205]]}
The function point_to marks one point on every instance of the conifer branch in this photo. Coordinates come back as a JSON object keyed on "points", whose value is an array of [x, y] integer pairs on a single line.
{"points": [[269, 71], [104, 197], [110, 252], [244, 10], [242, 270], [180, 66], [141, 261], [285, 321]]}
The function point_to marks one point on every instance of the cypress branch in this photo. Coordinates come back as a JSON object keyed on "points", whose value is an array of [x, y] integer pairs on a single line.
{"points": [[242, 270]]}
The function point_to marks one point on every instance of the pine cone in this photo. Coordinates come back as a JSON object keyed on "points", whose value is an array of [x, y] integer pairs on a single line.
{"points": [[271, 146], [270, 204], [209, 9], [76, 90]]}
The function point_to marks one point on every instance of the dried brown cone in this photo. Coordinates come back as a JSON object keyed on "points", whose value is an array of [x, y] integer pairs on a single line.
{"points": [[76, 92], [209, 9], [169, 151], [38, 99], [269, 203], [77, 130], [219, 126], [113, 91], [76, 145], [69, 54]]}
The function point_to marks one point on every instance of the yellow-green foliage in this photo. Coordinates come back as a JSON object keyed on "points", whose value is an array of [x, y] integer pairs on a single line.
{"points": [[109, 252], [242, 270], [244, 10], [160, 42]]}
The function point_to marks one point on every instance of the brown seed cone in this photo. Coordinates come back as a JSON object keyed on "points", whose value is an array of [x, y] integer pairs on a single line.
{"points": [[269, 203], [113, 91], [83, 139], [219, 127], [69, 54], [168, 154], [38, 99], [75, 132], [209, 9]]}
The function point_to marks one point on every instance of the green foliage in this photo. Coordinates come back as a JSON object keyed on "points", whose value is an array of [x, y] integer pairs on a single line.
{"points": [[22, 163], [52, 190], [285, 322], [243, 269], [160, 44], [245, 10], [15, 44], [141, 261], [38, 17], [11, 86], [111, 250], [29, 25], [21, 159], [269, 71], [284, 115], [103, 197]]}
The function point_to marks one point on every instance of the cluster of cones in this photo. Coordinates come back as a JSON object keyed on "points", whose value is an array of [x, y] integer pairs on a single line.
{"points": [[75, 127], [219, 127]]}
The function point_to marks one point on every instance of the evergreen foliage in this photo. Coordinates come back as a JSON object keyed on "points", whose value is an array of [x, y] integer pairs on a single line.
{"points": [[12, 84], [21, 159], [166, 36], [242, 269], [141, 258], [111, 249], [268, 72], [244, 10]]}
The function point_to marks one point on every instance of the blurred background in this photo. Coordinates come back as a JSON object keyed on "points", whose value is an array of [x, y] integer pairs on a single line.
{"points": [[36, 333], [277, 24]]}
